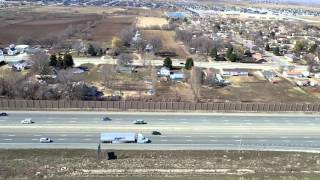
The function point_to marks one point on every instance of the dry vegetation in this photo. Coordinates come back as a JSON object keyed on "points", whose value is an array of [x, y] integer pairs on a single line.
{"points": [[58, 164], [251, 89], [42, 22], [168, 41], [77, 10], [144, 22], [111, 26]]}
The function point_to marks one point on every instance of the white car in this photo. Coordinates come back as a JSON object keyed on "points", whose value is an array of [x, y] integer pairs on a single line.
{"points": [[27, 121], [45, 140]]}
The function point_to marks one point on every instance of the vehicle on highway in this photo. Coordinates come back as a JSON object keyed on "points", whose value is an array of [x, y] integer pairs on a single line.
{"points": [[106, 119], [156, 133], [45, 140], [27, 121], [142, 140], [3, 114], [139, 121], [118, 138]]}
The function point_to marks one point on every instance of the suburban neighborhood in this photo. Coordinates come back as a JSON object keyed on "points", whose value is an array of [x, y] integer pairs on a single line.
{"points": [[160, 89]]}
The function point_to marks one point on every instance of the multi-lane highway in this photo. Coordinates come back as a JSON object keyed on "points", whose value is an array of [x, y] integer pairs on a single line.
{"points": [[179, 131]]}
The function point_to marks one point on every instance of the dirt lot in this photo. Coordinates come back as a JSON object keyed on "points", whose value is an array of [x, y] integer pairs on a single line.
{"points": [[144, 22], [168, 41], [111, 26], [250, 89], [57, 164], [38, 23]]}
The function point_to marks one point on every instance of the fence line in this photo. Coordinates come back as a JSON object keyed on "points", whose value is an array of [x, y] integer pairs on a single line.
{"points": [[7, 104]]}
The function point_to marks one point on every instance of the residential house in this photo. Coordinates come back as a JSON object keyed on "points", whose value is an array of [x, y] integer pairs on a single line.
{"points": [[258, 58], [11, 50], [22, 48], [21, 65], [295, 74], [149, 48], [177, 76], [164, 72], [124, 69], [317, 75]]}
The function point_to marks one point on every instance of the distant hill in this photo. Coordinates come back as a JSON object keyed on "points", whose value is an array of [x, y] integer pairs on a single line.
{"points": [[287, 1]]}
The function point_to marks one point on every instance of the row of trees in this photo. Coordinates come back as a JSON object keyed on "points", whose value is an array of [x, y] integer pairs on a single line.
{"points": [[168, 63], [61, 62]]}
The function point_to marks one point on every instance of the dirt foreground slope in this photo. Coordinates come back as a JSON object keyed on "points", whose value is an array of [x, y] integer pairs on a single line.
{"points": [[71, 164]]}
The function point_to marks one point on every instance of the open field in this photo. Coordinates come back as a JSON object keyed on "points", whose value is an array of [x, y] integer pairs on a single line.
{"points": [[111, 26], [43, 22], [168, 41], [77, 10], [31, 164], [38, 29], [144, 22], [250, 89]]}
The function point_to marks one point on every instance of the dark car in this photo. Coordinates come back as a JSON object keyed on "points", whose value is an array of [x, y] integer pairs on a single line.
{"points": [[106, 119], [156, 133], [3, 114]]}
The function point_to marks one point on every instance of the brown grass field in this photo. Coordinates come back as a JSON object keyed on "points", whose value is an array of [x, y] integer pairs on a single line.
{"points": [[41, 22], [251, 89], [168, 41], [39, 28], [144, 22], [111, 26], [160, 165]]}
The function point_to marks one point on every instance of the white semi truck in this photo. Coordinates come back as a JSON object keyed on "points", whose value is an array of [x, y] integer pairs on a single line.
{"points": [[116, 138]]}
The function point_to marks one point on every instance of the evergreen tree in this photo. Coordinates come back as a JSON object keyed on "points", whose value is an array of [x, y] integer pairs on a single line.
{"points": [[68, 60], [167, 62], [267, 48], [189, 63], [53, 60], [229, 51], [276, 51], [91, 50], [60, 63], [313, 48], [214, 53], [233, 57]]}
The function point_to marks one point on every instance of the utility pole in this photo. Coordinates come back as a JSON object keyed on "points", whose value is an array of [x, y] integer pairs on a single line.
{"points": [[98, 152]]}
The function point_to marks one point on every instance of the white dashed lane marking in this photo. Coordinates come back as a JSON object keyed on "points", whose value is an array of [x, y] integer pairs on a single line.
{"points": [[11, 135], [7, 139]]}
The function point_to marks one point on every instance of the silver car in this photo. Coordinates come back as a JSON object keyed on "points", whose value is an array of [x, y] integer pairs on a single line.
{"points": [[45, 140], [27, 121]]}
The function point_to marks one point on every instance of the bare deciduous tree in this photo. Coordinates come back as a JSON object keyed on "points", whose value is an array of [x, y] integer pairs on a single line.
{"points": [[196, 82], [124, 59], [156, 44], [126, 35], [40, 63]]}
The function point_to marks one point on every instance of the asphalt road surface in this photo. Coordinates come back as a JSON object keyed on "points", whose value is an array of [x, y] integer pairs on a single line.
{"points": [[179, 131]]}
